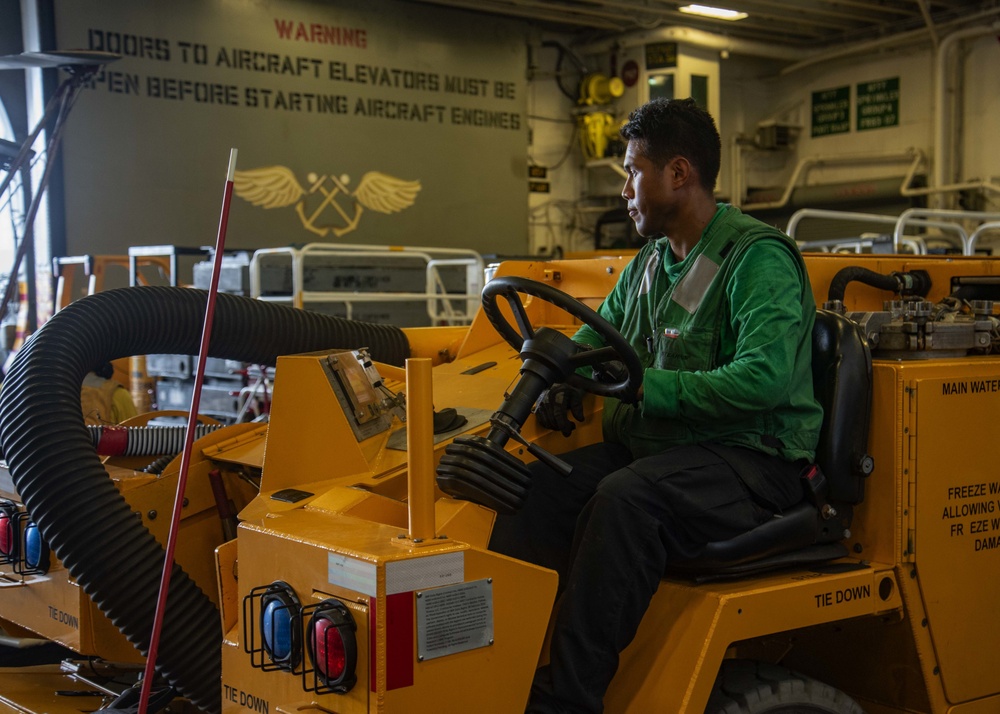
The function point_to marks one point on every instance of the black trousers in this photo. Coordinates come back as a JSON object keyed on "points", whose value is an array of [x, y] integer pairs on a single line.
{"points": [[610, 529]]}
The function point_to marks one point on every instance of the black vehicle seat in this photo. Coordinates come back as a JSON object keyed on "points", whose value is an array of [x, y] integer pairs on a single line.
{"points": [[811, 531]]}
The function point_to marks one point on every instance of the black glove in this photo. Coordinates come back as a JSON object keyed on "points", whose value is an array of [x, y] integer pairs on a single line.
{"points": [[612, 372], [555, 406]]}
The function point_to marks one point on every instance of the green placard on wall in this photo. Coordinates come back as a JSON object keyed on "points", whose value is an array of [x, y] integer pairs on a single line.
{"points": [[660, 55], [831, 111], [878, 104]]}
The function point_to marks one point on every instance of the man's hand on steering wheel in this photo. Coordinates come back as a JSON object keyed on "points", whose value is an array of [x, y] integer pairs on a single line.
{"points": [[561, 400], [562, 363], [480, 469], [555, 406], [611, 372]]}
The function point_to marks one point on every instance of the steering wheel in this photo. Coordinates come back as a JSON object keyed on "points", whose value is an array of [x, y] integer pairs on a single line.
{"points": [[616, 347]]}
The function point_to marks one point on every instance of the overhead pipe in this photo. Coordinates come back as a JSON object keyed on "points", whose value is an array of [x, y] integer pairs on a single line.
{"points": [[915, 156], [925, 11], [941, 163], [903, 38]]}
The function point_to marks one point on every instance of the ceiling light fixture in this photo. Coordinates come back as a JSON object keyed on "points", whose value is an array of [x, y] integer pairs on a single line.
{"points": [[717, 13]]}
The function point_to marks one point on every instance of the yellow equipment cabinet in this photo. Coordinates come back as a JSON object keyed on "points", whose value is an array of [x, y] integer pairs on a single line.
{"points": [[355, 585]]}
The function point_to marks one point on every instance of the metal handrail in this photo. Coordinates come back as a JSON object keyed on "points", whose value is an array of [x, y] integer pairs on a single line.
{"points": [[834, 245], [912, 214], [983, 228], [440, 303], [802, 213]]}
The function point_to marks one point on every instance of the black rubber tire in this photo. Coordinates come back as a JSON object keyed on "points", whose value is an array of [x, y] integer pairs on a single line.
{"points": [[749, 687]]}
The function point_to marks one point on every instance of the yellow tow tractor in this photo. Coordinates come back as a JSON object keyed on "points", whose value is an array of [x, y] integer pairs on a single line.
{"points": [[335, 560]]}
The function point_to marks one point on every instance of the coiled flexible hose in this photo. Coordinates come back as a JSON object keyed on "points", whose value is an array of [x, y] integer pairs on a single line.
{"points": [[143, 440], [62, 483]]}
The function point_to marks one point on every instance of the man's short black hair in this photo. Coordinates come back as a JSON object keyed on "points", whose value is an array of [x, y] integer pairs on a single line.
{"points": [[666, 128]]}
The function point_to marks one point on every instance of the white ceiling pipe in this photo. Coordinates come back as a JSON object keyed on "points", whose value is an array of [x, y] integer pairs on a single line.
{"points": [[941, 163], [915, 156], [901, 38]]}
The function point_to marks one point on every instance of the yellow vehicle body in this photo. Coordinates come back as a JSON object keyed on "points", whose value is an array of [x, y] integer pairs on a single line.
{"points": [[905, 623]]}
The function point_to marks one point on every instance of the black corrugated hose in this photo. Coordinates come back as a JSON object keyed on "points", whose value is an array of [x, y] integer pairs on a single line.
{"points": [[62, 483], [913, 282], [838, 285]]}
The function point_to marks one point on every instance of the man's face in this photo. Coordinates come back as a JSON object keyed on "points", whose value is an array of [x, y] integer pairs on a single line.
{"points": [[648, 190]]}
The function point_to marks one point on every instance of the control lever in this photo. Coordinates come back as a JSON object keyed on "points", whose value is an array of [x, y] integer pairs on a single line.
{"points": [[501, 421]]}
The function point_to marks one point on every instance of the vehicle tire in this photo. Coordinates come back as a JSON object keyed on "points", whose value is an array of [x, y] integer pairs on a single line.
{"points": [[749, 687]]}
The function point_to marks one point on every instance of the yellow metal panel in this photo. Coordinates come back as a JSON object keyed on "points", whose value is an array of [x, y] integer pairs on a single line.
{"points": [[990, 705], [458, 520], [200, 526], [298, 545], [487, 679], [37, 689], [294, 553], [227, 573], [245, 446], [464, 521], [308, 436], [440, 344], [958, 519], [48, 605], [55, 607], [920, 628], [876, 533], [701, 622]]}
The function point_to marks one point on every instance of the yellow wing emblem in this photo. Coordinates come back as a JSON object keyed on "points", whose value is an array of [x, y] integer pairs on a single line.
{"points": [[269, 186], [386, 194]]}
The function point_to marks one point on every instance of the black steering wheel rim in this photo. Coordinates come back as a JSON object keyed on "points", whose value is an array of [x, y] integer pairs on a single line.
{"points": [[617, 347]]}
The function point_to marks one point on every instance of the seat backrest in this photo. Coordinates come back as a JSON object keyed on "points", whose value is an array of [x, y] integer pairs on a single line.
{"points": [[842, 382]]}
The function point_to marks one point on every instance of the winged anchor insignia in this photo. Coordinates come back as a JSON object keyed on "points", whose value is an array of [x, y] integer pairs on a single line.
{"points": [[277, 187]]}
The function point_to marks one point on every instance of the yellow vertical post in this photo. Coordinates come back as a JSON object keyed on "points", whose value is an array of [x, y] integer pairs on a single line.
{"points": [[420, 448]]}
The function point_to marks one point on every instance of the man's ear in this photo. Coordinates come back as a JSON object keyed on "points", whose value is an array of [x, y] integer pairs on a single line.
{"points": [[679, 171]]}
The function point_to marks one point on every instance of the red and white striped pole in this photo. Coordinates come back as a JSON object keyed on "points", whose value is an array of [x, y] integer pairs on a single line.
{"points": [[199, 378]]}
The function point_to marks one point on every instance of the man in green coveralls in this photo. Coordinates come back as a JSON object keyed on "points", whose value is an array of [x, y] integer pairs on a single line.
{"points": [[719, 309]]}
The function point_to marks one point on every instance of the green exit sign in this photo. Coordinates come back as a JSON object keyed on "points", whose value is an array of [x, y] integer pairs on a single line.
{"points": [[878, 104], [831, 111]]}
